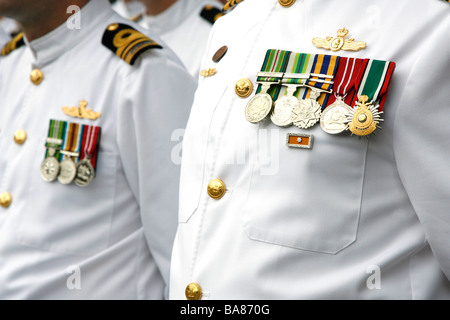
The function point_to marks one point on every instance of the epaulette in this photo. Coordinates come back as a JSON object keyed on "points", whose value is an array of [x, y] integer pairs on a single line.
{"points": [[231, 4], [126, 42], [12, 45], [211, 13], [447, 1]]}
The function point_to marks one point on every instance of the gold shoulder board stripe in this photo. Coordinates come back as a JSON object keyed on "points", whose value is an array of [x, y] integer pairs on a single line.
{"points": [[126, 42], [14, 44], [211, 14], [230, 4]]}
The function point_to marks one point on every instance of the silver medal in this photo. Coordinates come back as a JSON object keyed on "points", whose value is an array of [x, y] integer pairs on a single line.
{"points": [[67, 172], [50, 167], [260, 105], [85, 173], [307, 112], [282, 111], [334, 118]]}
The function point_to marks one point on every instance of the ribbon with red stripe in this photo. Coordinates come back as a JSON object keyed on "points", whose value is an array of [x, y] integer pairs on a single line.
{"points": [[90, 144], [374, 80], [345, 80]]}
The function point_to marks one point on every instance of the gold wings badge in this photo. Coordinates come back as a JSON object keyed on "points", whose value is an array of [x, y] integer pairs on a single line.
{"points": [[82, 111], [339, 42]]}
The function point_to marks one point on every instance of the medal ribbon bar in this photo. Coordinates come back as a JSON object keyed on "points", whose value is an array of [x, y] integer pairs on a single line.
{"points": [[72, 141], [56, 133], [90, 143], [324, 69], [345, 80], [275, 62], [374, 80]]}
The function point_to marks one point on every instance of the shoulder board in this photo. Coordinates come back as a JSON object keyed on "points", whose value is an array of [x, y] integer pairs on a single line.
{"points": [[448, 1], [14, 44], [231, 4], [211, 13], [126, 42]]}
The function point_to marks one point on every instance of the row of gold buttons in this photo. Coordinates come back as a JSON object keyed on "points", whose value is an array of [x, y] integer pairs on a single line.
{"points": [[5, 198], [216, 187]]}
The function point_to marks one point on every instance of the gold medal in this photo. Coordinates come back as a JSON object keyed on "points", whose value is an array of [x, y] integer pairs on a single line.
{"points": [[364, 118]]}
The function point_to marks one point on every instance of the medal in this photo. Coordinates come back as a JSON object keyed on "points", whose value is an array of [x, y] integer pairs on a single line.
{"points": [[260, 105], [291, 82], [282, 112], [50, 165], [364, 118], [308, 112], [71, 149], [67, 172], [84, 173], [373, 84], [85, 170], [272, 71], [334, 117]]}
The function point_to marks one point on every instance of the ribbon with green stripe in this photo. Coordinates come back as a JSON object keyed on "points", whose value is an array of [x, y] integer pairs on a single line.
{"points": [[374, 80], [275, 63], [72, 141], [297, 72], [55, 137]]}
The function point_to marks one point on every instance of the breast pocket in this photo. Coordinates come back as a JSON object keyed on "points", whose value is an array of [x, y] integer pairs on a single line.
{"points": [[310, 199], [66, 218]]}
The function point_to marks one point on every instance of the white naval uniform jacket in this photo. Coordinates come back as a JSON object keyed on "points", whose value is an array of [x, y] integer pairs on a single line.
{"points": [[113, 238], [348, 219], [185, 31]]}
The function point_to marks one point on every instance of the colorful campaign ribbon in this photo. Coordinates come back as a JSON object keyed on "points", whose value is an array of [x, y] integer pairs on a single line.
{"points": [[374, 79], [272, 70], [55, 137], [72, 142], [322, 75], [297, 73], [372, 87], [345, 79], [90, 143]]}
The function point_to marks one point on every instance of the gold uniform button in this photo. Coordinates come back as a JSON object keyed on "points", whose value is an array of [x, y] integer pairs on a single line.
{"points": [[216, 189], [20, 137], [244, 88], [286, 3], [36, 76], [5, 199], [193, 291]]}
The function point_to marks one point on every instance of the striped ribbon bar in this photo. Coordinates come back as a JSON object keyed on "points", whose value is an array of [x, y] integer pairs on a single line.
{"points": [[72, 142], [272, 70], [322, 75], [297, 72], [345, 80], [374, 80], [90, 143], [55, 137]]}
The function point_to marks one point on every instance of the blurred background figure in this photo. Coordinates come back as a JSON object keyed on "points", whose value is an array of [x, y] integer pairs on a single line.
{"points": [[4, 37], [183, 24], [8, 29], [9, 26], [131, 9]]}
